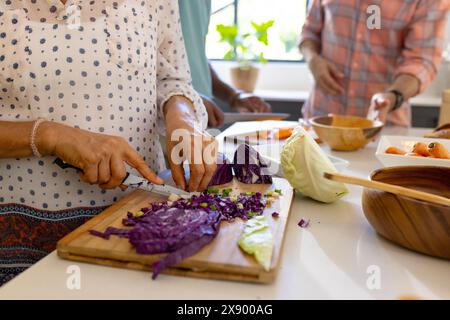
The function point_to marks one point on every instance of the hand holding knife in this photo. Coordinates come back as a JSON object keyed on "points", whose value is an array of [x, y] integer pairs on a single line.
{"points": [[134, 181]]}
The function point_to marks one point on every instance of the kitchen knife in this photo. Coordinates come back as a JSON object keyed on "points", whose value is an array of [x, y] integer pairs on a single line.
{"points": [[134, 181]]}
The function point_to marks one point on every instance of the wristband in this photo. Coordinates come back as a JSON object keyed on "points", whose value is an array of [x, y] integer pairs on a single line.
{"points": [[399, 99]]}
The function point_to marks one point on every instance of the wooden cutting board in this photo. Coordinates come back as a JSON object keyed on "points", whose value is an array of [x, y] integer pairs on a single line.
{"points": [[221, 259]]}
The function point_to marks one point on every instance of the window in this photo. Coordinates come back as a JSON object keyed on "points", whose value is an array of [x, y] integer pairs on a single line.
{"points": [[289, 16]]}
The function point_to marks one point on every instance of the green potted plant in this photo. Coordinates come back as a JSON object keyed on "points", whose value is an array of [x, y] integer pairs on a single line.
{"points": [[245, 49]]}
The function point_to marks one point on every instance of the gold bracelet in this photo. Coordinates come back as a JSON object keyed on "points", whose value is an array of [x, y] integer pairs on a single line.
{"points": [[33, 146]]}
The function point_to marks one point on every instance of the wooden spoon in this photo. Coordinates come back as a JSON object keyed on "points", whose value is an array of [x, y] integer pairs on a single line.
{"points": [[407, 192]]}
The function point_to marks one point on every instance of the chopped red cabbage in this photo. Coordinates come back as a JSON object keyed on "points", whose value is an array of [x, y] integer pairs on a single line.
{"points": [[303, 223], [275, 214], [110, 231], [195, 240], [184, 227], [224, 171], [249, 167]]}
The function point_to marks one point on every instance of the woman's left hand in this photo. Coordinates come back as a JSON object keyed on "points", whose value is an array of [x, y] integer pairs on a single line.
{"points": [[186, 140]]}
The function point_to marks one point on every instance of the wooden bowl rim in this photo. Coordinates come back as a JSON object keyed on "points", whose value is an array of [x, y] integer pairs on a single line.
{"points": [[375, 172], [377, 124]]}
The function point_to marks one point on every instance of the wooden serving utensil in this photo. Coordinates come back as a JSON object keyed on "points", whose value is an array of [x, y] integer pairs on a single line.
{"points": [[398, 190]]}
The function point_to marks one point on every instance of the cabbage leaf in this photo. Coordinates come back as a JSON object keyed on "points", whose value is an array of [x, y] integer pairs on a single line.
{"points": [[304, 164], [257, 240]]}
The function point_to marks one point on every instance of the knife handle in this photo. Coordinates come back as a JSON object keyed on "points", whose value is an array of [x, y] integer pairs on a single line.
{"points": [[64, 165]]}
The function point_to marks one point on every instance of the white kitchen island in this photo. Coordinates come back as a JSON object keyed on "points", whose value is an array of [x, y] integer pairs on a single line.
{"points": [[330, 259]]}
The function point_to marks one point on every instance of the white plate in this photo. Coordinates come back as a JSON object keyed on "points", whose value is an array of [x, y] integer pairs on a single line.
{"points": [[407, 143], [339, 163]]}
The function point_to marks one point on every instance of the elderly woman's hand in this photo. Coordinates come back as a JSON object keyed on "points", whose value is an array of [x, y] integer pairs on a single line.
{"points": [[185, 140], [101, 157]]}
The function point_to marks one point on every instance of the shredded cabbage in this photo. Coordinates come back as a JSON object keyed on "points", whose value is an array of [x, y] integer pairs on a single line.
{"points": [[183, 227]]}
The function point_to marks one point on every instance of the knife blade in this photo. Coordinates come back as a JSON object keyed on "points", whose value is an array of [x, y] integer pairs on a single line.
{"points": [[134, 181]]}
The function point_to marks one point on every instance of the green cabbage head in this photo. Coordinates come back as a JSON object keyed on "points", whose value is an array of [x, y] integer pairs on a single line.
{"points": [[304, 163]]}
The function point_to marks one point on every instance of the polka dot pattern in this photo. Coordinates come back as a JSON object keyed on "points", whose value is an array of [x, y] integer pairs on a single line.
{"points": [[110, 74]]}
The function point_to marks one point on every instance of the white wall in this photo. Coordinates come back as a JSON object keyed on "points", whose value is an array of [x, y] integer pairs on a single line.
{"points": [[274, 76]]}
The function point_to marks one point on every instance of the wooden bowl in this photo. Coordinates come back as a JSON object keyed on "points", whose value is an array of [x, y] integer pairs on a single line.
{"points": [[346, 133], [413, 224]]}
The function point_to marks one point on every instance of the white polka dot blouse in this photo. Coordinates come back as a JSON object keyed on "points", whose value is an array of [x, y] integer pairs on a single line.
{"points": [[100, 65]]}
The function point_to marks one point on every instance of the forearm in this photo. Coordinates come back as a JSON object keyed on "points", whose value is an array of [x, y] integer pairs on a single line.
{"points": [[309, 49], [15, 138], [221, 90], [179, 107], [407, 84]]}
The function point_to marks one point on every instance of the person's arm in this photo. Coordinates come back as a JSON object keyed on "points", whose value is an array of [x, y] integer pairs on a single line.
{"points": [[15, 139], [326, 75], [238, 100], [312, 28], [216, 117], [423, 43], [181, 112], [309, 49], [101, 157], [419, 58], [384, 102], [221, 90]]}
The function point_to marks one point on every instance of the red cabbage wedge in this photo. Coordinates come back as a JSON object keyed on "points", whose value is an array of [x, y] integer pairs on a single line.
{"points": [[224, 171], [249, 167]]}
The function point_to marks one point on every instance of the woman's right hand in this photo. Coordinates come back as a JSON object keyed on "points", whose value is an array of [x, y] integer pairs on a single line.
{"points": [[101, 157]]}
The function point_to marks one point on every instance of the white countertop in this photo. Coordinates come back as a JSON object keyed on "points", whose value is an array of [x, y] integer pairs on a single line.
{"points": [[327, 260]]}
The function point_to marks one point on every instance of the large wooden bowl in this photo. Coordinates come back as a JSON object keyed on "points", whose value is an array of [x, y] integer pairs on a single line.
{"points": [[414, 224], [346, 133]]}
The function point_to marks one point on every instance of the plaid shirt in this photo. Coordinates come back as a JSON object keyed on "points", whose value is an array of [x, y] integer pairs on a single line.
{"points": [[410, 42]]}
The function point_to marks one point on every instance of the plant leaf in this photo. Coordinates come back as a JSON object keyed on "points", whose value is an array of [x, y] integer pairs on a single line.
{"points": [[228, 34], [262, 29], [230, 55]]}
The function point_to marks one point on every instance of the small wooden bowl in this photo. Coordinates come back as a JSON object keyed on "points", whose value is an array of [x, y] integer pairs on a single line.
{"points": [[414, 224], [346, 133]]}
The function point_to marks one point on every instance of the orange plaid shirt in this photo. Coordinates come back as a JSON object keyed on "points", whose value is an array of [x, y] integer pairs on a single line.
{"points": [[410, 42]]}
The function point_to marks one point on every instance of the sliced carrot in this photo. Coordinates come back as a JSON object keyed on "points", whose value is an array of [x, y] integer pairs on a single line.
{"points": [[438, 150], [395, 150], [283, 133], [422, 149]]}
